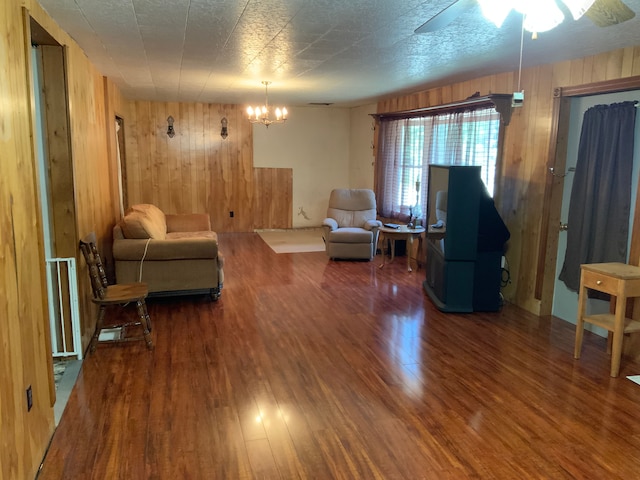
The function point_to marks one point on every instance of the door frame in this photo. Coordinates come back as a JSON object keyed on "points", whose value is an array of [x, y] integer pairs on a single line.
{"points": [[552, 203], [58, 159]]}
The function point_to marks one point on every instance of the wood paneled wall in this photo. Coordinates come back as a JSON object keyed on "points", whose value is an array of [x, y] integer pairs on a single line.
{"points": [[198, 171], [25, 355], [273, 205], [95, 205], [525, 159]]}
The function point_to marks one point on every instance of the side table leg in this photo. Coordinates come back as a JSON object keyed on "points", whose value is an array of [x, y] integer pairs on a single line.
{"points": [[618, 335], [384, 255], [582, 298]]}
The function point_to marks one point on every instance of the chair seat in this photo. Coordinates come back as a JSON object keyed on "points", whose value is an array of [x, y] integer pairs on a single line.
{"points": [[351, 235], [116, 294]]}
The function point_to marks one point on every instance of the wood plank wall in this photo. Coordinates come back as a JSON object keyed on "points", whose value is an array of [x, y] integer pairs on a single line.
{"points": [[197, 171], [92, 171], [25, 357], [525, 158]]}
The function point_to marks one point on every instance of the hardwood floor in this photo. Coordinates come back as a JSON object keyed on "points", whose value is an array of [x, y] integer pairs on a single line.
{"points": [[310, 368]]}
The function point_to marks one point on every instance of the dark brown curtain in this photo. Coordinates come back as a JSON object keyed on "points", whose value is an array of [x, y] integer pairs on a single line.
{"points": [[601, 194]]}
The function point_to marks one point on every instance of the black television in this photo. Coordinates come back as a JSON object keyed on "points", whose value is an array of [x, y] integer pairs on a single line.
{"points": [[466, 239]]}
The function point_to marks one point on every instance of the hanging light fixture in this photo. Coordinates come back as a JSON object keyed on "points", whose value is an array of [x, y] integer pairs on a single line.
{"points": [[495, 11], [262, 114], [539, 16]]}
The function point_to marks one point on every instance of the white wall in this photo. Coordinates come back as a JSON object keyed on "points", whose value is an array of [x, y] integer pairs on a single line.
{"points": [[327, 147], [361, 159]]}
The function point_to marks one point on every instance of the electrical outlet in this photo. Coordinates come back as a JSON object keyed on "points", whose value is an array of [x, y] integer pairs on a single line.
{"points": [[29, 398], [231, 213]]}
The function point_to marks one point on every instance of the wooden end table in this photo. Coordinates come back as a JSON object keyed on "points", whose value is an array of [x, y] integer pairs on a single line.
{"points": [[401, 233], [620, 280]]}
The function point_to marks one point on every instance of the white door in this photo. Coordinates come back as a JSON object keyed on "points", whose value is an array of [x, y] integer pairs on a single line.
{"points": [[565, 302]]}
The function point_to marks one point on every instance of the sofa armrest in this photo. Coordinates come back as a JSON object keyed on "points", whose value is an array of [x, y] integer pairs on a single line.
{"points": [[185, 248], [188, 222], [331, 223]]}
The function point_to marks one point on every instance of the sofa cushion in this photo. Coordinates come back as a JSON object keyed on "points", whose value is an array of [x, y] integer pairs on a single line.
{"points": [[182, 235], [144, 221]]}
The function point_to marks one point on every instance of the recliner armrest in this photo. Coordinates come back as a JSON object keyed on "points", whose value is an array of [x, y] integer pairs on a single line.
{"points": [[331, 223], [372, 224]]}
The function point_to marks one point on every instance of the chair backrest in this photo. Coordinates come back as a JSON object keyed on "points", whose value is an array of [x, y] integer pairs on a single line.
{"points": [[94, 262], [352, 207]]}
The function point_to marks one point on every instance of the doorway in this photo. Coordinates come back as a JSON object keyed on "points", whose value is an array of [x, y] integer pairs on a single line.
{"points": [[565, 301], [52, 143]]}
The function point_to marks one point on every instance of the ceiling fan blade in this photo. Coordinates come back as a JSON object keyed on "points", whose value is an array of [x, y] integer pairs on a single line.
{"points": [[445, 17], [605, 13]]}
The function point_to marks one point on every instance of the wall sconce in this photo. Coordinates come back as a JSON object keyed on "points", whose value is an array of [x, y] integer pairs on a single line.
{"points": [[170, 131], [224, 133]]}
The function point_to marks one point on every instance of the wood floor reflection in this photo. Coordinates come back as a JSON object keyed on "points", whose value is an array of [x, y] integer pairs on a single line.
{"points": [[310, 368]]}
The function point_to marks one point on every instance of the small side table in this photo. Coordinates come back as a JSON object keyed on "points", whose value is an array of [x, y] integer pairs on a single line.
{"points": [[619, 280], [401, 233]]}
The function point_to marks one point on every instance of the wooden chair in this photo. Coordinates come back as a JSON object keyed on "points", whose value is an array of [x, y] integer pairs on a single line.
{"points": [[105, 295]]}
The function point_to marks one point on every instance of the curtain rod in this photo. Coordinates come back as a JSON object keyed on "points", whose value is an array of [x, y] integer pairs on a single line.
{"points": [[501, 102]]}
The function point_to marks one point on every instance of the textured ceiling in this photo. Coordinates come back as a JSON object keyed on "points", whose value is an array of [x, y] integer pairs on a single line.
{"points": [[348, 52]]}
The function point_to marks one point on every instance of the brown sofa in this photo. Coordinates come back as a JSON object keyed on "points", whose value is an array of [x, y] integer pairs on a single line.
{"points": [[179, 253]]}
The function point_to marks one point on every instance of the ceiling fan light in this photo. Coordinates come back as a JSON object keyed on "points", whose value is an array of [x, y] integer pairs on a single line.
{"points": [[495, 11], [578, 7], [542, 16], [520, 5]]}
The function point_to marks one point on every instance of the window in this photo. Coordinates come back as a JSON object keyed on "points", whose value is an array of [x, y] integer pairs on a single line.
{"points": [[409, 145]]}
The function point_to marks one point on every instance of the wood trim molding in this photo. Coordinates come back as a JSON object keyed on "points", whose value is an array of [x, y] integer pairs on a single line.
{"points": [[606, 86], [501, 102]]}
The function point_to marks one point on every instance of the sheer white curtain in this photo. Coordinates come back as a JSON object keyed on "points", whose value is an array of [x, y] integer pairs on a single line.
{"points": [[407, 146]]}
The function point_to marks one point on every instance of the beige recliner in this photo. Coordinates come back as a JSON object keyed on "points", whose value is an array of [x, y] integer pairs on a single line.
{"points": [[351, 228]]}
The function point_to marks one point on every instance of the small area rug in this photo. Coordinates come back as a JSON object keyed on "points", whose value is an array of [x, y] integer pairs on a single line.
{"points": [[297, 240]]}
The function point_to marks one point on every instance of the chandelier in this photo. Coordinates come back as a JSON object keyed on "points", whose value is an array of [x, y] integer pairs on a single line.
{"points": [[539, 16], [262, 114]]}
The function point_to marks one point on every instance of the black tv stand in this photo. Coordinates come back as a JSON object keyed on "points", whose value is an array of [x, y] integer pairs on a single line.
{"points": [[464, 261]]}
